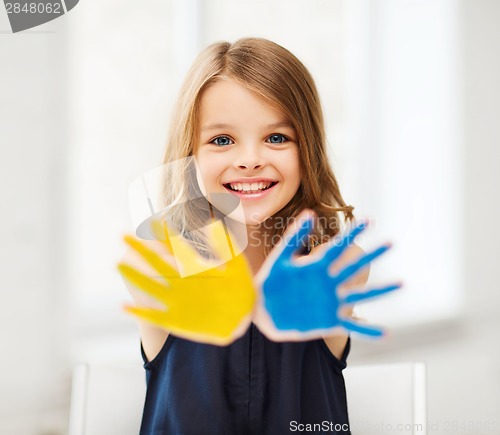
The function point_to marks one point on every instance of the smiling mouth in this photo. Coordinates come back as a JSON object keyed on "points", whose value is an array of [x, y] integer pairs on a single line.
{"points": [[260, 186]]}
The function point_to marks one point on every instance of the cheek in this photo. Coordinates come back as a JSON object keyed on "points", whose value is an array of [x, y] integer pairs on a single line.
{"points": [[201, 172], [208, 171], [291, 168]]}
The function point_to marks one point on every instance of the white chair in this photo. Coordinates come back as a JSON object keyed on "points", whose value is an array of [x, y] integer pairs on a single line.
{"points": [[387, 398], [108, 400]]}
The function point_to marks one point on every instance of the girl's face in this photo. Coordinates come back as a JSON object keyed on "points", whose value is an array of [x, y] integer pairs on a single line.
{"points": [[247, 151]]}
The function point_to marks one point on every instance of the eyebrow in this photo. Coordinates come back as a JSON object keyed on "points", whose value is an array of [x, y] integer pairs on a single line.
{"points": [[218, 126]]}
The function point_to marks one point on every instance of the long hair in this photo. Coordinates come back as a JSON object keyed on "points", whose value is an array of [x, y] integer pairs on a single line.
{"points": [[276, 75]]}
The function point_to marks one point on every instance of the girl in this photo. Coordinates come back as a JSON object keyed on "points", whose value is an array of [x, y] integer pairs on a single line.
{"points": [[250, 115]]}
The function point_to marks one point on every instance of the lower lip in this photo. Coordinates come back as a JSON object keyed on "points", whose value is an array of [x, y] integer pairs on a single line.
{"points": [[257, 195]]}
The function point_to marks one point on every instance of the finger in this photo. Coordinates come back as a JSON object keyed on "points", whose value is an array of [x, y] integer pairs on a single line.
{"points": [[152, 315], [337, 248], [371, 331], [221, 241], [152, 258], [161, 231], [280, 252], [144, 283], [354, 297], [295, 241], [184, 254], [352, 268], [224, 244], [188, 259]]}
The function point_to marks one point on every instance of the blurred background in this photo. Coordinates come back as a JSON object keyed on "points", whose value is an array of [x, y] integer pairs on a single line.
{"points": [[411, 96]]}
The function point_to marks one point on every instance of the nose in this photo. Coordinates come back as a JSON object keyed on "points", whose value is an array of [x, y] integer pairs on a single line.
{"points": [[249, 157]]}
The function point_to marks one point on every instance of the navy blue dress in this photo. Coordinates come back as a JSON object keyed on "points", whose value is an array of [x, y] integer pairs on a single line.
{"points": [[254, 386]]}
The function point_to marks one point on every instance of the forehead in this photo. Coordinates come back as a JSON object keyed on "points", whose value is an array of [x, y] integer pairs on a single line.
{"points": [[228, 102]]}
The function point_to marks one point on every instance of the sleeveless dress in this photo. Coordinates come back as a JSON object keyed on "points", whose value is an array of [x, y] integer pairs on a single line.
{"points": [[253, 386]]}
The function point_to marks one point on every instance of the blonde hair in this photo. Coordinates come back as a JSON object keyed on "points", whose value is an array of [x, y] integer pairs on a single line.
{"points": [[276, 75]]}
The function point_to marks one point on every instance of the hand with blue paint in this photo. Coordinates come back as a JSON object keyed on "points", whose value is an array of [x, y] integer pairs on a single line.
{"points": [[301, 299]]}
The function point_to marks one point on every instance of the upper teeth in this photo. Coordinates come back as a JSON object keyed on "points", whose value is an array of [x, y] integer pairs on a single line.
{"points": [[250, 186]]}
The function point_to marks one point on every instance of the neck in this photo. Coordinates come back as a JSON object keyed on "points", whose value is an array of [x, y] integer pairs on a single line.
{"points": [[253, 239], [254, 251]]}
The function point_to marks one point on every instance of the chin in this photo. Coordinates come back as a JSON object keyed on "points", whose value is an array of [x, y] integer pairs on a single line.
{"points": [[249, 219]]}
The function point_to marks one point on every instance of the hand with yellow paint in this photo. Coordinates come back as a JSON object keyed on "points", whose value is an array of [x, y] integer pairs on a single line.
{"points": [[203, 300]]}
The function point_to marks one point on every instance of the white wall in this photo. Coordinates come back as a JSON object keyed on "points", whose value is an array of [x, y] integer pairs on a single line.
{"points": [[34, 293], [463, 356], [401, 157]]}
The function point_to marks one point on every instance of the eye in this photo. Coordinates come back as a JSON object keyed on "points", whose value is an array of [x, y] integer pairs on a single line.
{"points": [[277, 138], [222, 141]]}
